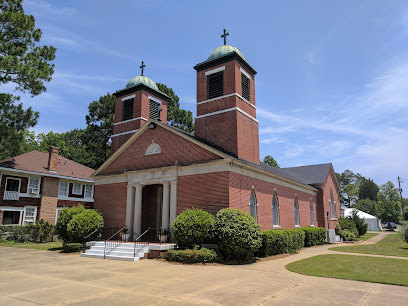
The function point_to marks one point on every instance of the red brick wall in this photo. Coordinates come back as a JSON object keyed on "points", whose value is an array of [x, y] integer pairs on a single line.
{"points": [[49, 198], [205, 191], [324, 204], [239, 195], [173, 148], [67, 203], [110, 201]]}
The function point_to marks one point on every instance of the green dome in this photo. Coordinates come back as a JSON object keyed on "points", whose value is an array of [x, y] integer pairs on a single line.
{"points": [[220, 51], [141, 79]]}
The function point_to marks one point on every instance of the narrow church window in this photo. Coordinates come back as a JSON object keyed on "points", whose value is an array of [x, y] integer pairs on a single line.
{"points": [[311, 214], [245, 86], [275, 209], [252, 206], [127, 112], [296, 212], [215, 85], [153, 148], [333, 213], [153, 109]]}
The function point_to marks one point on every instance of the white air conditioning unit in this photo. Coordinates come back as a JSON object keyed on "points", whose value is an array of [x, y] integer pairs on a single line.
{"points": [[35, 191]]}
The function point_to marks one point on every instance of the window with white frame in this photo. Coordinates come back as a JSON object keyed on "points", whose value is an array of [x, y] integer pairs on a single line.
{"points": [[30, 214], [12, 190], [34, 185], [57, 213], [296, 207], [11, 217], [275, 209], [63, 189], [76, 188], [311, 214], [88, 193], [153, 148]]}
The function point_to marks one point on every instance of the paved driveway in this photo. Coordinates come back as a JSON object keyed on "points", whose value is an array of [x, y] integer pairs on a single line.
{"points": [[42, 277]]}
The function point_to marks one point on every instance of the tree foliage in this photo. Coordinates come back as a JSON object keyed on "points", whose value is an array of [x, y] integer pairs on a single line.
{"points": [[349, 184], [367, 205], [388, 205], [22, 61], [268, 159], [176, 116], [368, 189]]}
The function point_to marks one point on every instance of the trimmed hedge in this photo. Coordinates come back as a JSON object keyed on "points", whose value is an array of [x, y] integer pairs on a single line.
{"points": [[191, 256], [41, 231], [238, 235], [192, 227], [281, 241], [314, 235], [72, 247]]}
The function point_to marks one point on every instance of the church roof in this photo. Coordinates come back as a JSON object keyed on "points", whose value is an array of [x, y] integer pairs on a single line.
{"points": [[141, 79], [223, 50]]}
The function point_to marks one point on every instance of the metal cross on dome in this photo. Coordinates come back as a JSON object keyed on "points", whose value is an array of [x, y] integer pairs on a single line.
{"points": [[225, 36], [143, 65]]}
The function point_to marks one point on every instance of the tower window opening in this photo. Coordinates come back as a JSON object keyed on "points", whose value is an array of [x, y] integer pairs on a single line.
{"points": [[245, 86], [153, 109], [127, 113], [215, 85]]}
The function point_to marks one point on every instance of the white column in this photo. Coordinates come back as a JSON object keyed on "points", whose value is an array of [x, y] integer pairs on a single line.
{"points": [[173, 201], [166, 206], [129, 208], [137, 219]]}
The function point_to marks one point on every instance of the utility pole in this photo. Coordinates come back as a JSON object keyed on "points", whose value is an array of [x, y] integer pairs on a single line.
{"points": [[402, 202]]}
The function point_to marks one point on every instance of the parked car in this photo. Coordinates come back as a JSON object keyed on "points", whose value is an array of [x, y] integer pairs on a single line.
{"points": [[390, 225]]}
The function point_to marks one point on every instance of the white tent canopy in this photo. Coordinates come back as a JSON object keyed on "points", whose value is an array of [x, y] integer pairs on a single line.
{"points": [[374, 224]]}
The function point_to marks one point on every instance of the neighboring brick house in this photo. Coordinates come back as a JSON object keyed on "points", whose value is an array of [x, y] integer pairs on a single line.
{"points": [[38, 185], [156, 171]]}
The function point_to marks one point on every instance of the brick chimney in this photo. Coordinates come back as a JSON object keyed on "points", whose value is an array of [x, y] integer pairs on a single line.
{"points": [[53, 159]]}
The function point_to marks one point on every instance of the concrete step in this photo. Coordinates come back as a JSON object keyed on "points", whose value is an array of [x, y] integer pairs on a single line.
{"points": [[123, 258], [124, 251]]}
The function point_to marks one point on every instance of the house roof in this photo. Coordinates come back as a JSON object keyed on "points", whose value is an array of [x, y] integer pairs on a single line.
{"points": [[36, 161]]}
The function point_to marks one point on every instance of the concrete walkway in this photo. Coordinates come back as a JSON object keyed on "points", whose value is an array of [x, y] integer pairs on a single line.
{"points": [[42, 277]]}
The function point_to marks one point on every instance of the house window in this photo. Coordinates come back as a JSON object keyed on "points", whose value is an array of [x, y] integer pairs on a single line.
{"points": [[57, 213], [34, 185], [253, 206], [127, 112], [296, 207], [245, 86], [215, 85], [88, 193], [30, 214], [332, 210], [275, 210], [77, 188], [154, 109], [63, 189], [11, 217], [153, 148], [12, 190], [311, 214]]}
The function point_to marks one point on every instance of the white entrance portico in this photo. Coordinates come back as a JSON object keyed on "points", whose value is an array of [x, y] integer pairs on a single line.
{"points": [[166, 206]]}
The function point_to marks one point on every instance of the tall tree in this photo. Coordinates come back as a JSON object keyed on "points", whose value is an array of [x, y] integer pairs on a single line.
{"points": [[388, 205], [368, 190], [367, 205], [25, 64], [99, 130], [176, 116], [268, 159], [348, 182]]}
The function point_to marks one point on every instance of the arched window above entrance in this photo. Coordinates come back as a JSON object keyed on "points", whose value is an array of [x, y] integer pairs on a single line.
{"points": [[153, 148]]}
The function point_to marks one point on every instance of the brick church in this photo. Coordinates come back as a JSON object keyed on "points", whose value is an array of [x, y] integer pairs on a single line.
{"points": [[157, 171]]}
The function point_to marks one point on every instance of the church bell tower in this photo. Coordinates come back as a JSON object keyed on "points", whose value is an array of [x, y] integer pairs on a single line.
{"points": [[226, 111], [138, 102]]}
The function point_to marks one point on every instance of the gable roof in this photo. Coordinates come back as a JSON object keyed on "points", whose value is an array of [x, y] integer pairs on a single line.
{"points": [[37, 162]]}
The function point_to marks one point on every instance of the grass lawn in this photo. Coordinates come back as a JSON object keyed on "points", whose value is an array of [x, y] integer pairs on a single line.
{"points": [[49, 246], [367, 236], [391, 245], [362, 268]]}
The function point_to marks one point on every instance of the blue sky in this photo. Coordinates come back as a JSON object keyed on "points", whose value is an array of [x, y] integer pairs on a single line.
{"points": [[332, 82]]}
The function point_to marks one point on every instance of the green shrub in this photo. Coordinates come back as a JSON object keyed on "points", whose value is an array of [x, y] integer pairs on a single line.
{"points": [[360, 224], [192, 256], [41, 231], [404, 231], [237, 233], [72, 247], [314, 235], [348, 236], [192, 227], [276, 242], [75, 223]]}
